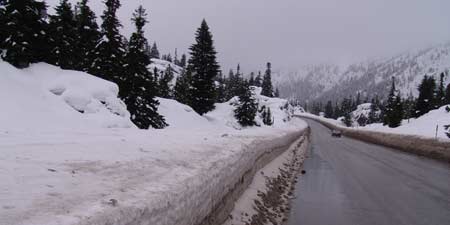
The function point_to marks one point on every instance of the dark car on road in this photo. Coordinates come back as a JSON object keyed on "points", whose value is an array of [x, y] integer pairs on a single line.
{"points": [[336, 133]]}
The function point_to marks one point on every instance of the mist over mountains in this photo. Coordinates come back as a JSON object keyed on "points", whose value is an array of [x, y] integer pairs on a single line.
{"points": [[330, 82]]}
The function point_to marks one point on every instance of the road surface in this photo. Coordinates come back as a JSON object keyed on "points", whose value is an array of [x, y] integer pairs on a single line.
{"points": [[352, 182]]}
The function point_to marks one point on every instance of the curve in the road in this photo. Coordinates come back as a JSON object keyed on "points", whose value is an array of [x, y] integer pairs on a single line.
{"points": [[353, 182]]}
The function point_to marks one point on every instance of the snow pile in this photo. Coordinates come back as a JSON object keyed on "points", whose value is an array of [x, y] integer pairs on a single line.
{"points": [[162, 65], [48, 98], [423, 126], [180, 116], [281, 111]]}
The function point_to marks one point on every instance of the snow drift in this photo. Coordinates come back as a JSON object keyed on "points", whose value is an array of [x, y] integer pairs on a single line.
{"points": [[45, 97]]}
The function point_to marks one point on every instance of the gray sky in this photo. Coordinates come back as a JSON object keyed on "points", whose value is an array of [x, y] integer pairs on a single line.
{"points": [[290, 33]]}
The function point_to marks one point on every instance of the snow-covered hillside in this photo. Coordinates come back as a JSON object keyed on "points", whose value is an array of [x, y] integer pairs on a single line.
{"points": [[70, 154], [327, 82]]}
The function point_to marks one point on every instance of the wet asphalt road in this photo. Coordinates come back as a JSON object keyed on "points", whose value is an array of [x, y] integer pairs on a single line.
{"points": [[352, 182]]}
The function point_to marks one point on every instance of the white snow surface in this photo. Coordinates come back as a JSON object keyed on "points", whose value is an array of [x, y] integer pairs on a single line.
{"points": [[424, 126], [63, 167]]}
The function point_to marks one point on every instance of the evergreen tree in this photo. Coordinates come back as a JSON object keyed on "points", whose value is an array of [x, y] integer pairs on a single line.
{"points": [[267, 116], [24, 32], [63, 32], [373, 114], [251, 81], [258, 80], [182, 90], [394, 109], [337, 111], [88, 36], [183, 61], [138, 86], [329, 110], [277, 93], [247, 108], [164, 83], [440, 92], [154, 52], [447, 95], [267, 88], [109, 55], [2, 23], [426, 99], [221, 89], [203, 68]]}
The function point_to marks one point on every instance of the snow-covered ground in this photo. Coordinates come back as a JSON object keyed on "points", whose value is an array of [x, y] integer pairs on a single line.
{"points": [[424, 126], [70, 155]]}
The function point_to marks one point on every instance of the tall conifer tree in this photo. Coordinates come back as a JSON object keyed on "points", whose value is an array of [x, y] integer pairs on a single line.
{"points": [[426, 100], [88, 35], [247, 108], [203, 68], [63, 32], [138, 86], [394, 109], [267, 88], [109, 54], [25, 32]]}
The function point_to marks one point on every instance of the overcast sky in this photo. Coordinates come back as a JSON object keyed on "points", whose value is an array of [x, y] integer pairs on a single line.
{"points": [[290, 33]]}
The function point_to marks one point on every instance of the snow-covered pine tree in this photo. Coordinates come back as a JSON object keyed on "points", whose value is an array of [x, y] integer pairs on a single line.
{"points": [[258, 80], [247, 108], [426, 100], [2, 23], [138, 86], [154, 52], [447, 95], [251, 80], [164, 83], [267, 88], [393, 114], [182, 89], [440, 92], [277, 93], [88, 35], [267, 117], [25, 32], [109, 55], [203, 68], [62, 28], [183, 61], [329, 110]]}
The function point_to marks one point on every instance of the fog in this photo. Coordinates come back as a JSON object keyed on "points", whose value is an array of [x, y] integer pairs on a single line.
{"points": [[290, 33]]}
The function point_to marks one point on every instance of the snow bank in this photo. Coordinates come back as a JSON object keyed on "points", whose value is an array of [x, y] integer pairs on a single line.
{"points": [[48, 98], [425, 146], [423, 126]]}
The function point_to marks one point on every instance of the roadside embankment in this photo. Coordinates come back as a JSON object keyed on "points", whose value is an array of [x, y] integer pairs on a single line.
{"points": [[423, 146]]}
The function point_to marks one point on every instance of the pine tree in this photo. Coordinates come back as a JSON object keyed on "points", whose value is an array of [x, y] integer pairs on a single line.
{"points": [[247, 108], [182, 90], [440, 92], [63, 31], [154, 52], [258, 80], [267, 117], [164, 83], [221, 88], [183, 61], [203, 68], [373, 114], [109, 54], [393, 114], [2, 23], [138, 86], [25, 32], [426, 100], [88, 36], [329, 110], [277, 93], [447, 95], [267, 88], [251, 80]]}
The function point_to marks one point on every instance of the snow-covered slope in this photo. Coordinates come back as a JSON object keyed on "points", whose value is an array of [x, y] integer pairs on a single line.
{"points": [[425, 125], [44, 97], [325, 82]]}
